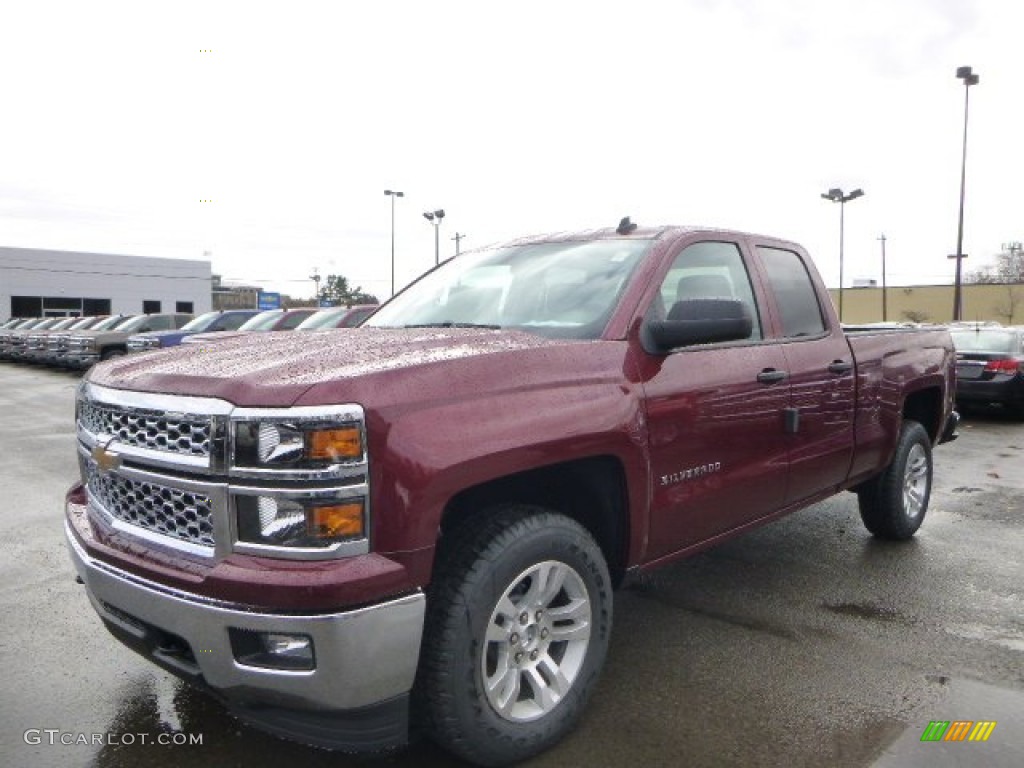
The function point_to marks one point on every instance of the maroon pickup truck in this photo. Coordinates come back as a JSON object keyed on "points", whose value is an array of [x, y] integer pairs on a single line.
{"points": [[421, 521]]}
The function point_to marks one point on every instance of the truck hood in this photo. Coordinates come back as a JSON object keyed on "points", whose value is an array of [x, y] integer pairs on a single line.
{"points": [[218, 336], [276, 369]]}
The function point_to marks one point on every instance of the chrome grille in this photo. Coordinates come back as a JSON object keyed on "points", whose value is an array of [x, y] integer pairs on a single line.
{"points": [[155, 430], [173, 512]]}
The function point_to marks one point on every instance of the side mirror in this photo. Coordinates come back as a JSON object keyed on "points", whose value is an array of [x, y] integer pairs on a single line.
{"points": [[697, 321]]}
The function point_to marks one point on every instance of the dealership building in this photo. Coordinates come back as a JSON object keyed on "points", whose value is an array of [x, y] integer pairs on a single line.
{"points": [[36, 283]]}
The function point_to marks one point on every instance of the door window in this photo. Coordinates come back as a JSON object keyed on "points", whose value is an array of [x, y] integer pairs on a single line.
{"points": [[709, 270], [794, 293]]}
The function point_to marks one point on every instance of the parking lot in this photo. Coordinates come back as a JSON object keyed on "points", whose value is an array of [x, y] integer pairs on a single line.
{"points": [[804, 643]]}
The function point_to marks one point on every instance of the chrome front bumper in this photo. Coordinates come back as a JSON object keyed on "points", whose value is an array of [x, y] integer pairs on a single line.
{"points": [[363, 657]]}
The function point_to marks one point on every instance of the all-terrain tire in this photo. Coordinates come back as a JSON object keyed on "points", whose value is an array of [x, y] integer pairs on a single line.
{"points": [[893, 505], [519, 616]]}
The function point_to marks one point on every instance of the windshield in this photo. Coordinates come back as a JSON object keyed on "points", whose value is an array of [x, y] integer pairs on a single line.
{"points": [[357, 316], [201, 323], [109, 323], [983, 341], [325, 318], [132, 324], [560, 290], [82, 322], [67, 322], [262, 322]]}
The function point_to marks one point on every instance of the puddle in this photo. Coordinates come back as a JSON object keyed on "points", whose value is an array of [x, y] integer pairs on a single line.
{"points": [[866, 611]]}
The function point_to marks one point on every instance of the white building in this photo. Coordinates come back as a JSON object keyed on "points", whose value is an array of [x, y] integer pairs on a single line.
{"points": [[37, 282]]}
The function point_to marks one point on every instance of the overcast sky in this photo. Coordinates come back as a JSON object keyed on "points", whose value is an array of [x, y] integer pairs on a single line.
{"points": [[293, 117]]}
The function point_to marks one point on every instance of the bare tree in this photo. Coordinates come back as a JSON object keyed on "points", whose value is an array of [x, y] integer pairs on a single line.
{"points": [[1008, 267]]}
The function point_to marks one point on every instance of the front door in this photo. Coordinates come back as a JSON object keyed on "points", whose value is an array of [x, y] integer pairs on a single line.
{"points": [[715, 412]]}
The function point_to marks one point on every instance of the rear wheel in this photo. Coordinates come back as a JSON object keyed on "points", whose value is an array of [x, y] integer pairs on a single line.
{"points": [[893, 505], [518, 622]]}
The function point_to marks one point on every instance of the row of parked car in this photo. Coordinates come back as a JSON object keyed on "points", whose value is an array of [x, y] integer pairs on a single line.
{"points": [[78, 342]]}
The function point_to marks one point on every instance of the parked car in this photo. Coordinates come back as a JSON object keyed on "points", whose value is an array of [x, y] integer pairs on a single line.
{"points": [[337, 317], [270, 320], [7, 334], [990, 366], [209, 322], [17, 338], [36, 339], [423, 519], [57, 343], [88, 347]]}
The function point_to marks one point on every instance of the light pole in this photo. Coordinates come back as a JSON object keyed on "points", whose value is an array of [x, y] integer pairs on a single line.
{"points": [[836, 196], [969, 78], [434, 217], [885, 303], [393, 194]]}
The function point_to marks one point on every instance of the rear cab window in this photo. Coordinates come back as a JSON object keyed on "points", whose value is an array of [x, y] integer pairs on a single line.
{"points": [[797, 301]]}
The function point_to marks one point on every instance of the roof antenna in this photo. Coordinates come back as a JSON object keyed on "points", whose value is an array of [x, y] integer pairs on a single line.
{"points": [[625, 226]]}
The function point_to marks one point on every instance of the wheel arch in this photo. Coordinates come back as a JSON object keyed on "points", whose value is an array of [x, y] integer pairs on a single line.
{"points": [[925, 407], [592, 491]]}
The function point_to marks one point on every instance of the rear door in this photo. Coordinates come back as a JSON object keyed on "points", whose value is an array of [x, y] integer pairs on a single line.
{"points": [[714, 412], [821, 375]]}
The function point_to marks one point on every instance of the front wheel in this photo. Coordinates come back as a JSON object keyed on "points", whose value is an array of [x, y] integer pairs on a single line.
{"points": [[519, 618], [893, 505]]}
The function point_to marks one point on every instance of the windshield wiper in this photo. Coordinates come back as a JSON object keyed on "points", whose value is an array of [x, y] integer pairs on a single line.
{"points": [[451, 324]]}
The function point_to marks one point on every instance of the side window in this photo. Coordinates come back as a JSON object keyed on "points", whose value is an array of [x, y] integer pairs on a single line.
{"points": [[159, 323], [230, 322], [794, 293], [709, 270]]}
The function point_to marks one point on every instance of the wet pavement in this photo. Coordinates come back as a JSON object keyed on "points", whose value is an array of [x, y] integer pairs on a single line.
{"points": [[804, 643]]}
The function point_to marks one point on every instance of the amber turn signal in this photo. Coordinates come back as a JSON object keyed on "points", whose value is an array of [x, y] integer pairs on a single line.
{"points": [[340, 521], [333, 444]]}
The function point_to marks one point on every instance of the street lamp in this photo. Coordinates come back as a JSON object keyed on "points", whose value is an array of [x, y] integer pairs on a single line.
{"points": [[969, 78], [434, 217], [836, 196], [393, 194]]}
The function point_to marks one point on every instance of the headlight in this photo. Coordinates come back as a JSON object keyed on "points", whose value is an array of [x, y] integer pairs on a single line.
{"points": [[312, 500], [297, 522], [316, 442]]}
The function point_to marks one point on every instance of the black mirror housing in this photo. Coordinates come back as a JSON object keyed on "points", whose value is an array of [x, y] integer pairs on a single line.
{"points": [[698, 321]]}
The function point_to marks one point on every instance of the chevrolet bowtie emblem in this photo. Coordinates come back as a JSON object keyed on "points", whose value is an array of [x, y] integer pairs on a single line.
{"points": [[105, 460]]}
